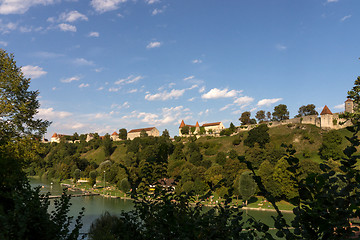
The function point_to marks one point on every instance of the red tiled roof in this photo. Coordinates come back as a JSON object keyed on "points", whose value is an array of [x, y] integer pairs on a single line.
{"points": [[54, 135], [197, 124], [140, 129], [348, 100], [182, 124], [326, 110], [211, 124], [114, 133]]}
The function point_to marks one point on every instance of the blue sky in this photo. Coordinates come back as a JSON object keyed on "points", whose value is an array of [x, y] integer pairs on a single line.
{"points": [[102, 65]]}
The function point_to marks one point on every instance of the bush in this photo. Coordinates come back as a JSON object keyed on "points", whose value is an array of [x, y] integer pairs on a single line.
{"points": [[236, 141]]}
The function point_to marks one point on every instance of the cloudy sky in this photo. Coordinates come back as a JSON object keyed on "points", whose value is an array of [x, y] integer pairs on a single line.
{"points": [[102, 65]]}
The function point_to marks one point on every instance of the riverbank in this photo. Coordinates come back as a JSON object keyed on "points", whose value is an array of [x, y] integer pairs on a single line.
{"points": [[110, 191]]}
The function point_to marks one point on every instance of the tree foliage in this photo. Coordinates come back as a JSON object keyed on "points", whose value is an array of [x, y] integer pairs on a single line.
{"points": [[23, 211], [259, 135], [260, 116], [123, 134], [307, 110], [280, 112], [245, 118]]}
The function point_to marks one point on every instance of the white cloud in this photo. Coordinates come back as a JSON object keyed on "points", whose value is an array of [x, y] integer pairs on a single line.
{"points": [[191, 99], [133, 90], [113, 89], [54, 88], [217, 93], [3, 43], [7, 27], [120, 106], [83, 62], [50, 114], [174, 93], [93, 34], [152, 1], [330, 1], [268, 102], [206, 112], [344, 18], [33, 71], [70, 79], [188, 78], [67, 27], [130, 79], [84, 85], [244, 100], [196, 61], [281, 47], [72, 16], [100, 88], [340, 106], [102, 6], [48, 55], [225, 107], [21, 6], [202, 89], [166, 116], [153, 45], [157, 11]]}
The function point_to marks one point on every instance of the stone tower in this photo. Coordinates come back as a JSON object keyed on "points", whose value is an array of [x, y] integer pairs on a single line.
{"points": [[349, 106], [326, 118]]}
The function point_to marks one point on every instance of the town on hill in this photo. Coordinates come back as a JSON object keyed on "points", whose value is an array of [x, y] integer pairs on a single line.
{"points": [[327, 120]]}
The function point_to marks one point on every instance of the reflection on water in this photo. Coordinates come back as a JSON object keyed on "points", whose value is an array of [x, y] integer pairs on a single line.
{"points": [[97, 205]]}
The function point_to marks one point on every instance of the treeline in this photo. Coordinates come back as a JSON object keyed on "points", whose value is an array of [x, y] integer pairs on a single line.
{"points": [[198, 164]]}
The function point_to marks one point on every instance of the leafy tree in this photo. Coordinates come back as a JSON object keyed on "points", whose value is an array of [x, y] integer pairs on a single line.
{"points": [[166, 134], [247, 186], [123, 134], [221, 158], [245, 118], [259, 134], [268, 116], [92, 176], [280, 112], [331, 146], [185, 130], [23, 211], [307, 110], [124, 185], [232, 127], [260, 116], [284, 178], [76, 175], [233, 154], [108, 145], [143, 134], [266, 171]]}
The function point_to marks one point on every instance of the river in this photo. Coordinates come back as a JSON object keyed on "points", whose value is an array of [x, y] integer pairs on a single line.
{"points": [[97, 205]]}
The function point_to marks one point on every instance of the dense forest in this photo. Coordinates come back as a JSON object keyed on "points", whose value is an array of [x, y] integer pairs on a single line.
{"points": [[197, 164]]}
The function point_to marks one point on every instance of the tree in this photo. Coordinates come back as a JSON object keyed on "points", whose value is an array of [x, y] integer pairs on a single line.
{"points": [[247, 186], [143, 134], [92, 176], [76, 175], [23, 210], [166, 134], [221, 158], [123, 134], [307, 110], [232, 127], [245, 118], [268, 116], [258, 135], [260, 116], [331, 146], [108, 145], [280, 112], [185, 130]]}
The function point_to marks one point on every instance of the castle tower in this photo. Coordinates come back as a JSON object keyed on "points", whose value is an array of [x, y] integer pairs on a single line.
{"points": [[326, 118], [349, 106], [182, 124], [197, 128]]}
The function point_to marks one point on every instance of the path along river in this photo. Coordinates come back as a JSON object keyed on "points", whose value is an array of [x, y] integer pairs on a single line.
{"points": [[97, 205]]}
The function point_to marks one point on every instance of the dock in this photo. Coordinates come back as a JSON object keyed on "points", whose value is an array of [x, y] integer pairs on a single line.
{"points": [[76, 195]]}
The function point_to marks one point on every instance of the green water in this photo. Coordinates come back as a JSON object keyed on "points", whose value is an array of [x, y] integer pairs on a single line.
{"points": [[97, 205]]}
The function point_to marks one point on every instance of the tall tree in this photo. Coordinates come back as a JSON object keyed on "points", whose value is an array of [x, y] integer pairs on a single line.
{"points": [[260, 116], [280, 112], [166, 133], [268, 116], [108, 145], [123, 134], [23, 212], [307, 110], [247, 186], [259, 135], [245, 118]]}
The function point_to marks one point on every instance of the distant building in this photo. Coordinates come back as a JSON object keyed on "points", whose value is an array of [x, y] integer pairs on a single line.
{"points": [[57, 137], [152, 131], [115, 136], [208, 128], [89, 137]]}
